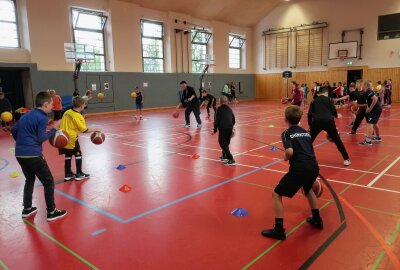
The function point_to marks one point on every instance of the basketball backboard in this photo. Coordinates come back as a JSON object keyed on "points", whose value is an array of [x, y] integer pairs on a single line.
{"points": [[74, 51], [342, 50]]}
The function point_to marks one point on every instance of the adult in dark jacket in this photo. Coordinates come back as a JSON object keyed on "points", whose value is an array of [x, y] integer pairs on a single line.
{"points": [[321, 116], [189, 101]]}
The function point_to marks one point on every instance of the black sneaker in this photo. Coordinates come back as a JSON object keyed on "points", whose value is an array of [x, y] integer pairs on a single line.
{"points": [[55, 214], [223, 159], [316, 223], [377, 139], [28, 212], [352, 132], [81, 176], [230, 162], [274, 233], [69, 177], [365, 143]]}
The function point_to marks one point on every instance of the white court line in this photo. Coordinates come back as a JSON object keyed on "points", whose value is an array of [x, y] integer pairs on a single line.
{"points": [[272, 170], [383, 172]]}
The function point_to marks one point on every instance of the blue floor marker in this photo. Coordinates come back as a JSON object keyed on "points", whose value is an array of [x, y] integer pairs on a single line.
{"points": [[121, 167], [240, 212]]}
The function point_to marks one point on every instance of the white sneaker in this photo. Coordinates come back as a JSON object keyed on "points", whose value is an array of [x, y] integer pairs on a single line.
{"points": [[199, 125], [347, 162], [187, 126]]}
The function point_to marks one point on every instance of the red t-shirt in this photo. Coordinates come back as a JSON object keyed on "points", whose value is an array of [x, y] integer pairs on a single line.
{"points": [[297, 96], [57, 103]]}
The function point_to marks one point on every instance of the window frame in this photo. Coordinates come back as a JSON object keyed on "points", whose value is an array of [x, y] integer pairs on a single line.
{"points": [[208, 37], [17, 25], [242, 41], [142, 21], [104, 18]]}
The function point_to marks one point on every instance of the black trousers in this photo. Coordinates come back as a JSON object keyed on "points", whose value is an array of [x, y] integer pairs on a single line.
{"points": [[329, 127], [195, 108], [214, 106], [37, 167], [224, 139], [359, 117]]}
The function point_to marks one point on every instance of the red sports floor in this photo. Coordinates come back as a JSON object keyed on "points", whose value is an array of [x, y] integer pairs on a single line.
{"points": [[178, 213]]}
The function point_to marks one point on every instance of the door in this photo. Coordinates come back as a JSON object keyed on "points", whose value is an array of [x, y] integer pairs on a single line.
{"points": [[354, 75]]}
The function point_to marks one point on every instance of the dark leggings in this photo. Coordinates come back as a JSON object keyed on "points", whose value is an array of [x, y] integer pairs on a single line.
{"points": [[359, 117], [224, 139], [330, 128]]}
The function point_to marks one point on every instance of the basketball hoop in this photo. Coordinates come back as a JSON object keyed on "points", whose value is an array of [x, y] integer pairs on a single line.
{"points": [[79, 53], [342, 54], [208, 60]]}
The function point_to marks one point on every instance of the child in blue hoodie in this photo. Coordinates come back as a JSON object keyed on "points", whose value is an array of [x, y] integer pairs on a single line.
{"points": [[29, 134]]}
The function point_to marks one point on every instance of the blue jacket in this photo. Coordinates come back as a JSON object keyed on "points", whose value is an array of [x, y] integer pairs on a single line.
{"points": [[30, 132]]}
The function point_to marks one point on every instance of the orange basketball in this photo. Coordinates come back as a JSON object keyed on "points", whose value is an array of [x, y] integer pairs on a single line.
{"points": [[97, 137], [133, 95], [317, 188], [60, 139], [175, 114], [354, 107]]}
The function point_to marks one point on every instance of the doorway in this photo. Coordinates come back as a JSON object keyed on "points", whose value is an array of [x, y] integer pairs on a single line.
{"points": [[16, 84], [354, 75]]}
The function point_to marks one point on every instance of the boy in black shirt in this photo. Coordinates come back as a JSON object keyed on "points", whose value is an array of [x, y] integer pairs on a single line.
{"points": [[224, 122], [372, 114], [209, 101], [302, 173], [191, 102], [321, 117]]}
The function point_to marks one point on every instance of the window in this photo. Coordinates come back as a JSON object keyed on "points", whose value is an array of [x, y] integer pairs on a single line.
{"points": [[9, 36], [152, 46], [88, 31], [276, 53], [235, 51], [310, 47], [200, 40]]}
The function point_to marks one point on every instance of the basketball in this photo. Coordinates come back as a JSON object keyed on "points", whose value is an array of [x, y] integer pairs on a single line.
{"points": [[97, 137], [6, 117], [175, 114], [133, 95], [60, 139], [317, 188], [354, 107], [100, 96]]}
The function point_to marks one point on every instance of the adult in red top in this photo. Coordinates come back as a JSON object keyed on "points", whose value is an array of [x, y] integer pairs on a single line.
{"points": [[57, 104], [297, 94]]}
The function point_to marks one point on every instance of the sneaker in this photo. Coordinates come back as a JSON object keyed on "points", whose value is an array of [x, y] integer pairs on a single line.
{"points": [[28, 212], [365, 143], [199, 125], [223, 159], [55, 214], [377, 139], [81, 176], [352, 132], [187, 126], [347, 162], [230, 163], [316, 223], [69, 177], [274, 233]]}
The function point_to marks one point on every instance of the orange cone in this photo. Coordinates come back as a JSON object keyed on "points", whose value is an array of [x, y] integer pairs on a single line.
{"points": [[125, 188]]}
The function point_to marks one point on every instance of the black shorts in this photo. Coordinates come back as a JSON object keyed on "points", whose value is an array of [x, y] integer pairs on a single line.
{"points": [[373, 116], [296, 179], [71, 152]]}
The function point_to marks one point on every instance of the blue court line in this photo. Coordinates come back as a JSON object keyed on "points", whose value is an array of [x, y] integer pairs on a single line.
{"points": [[188, 196], [89, 206], [98, 232], [200, 192]]}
